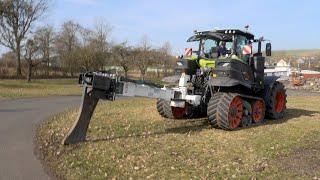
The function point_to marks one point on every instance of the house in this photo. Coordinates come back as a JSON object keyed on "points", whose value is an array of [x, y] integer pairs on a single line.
{"points": [[281, 69], [308, 74]]}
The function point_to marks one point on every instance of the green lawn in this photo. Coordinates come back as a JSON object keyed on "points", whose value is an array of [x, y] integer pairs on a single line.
{"points": [[127, 138], [38, 88]]}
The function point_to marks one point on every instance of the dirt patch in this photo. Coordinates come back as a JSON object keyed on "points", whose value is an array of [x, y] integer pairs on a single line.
{"points": [[303, 161]]}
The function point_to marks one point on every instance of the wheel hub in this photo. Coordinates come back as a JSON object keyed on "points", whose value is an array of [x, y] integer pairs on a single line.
{"points": [[235, 112], [280, 101], [258, 111]]}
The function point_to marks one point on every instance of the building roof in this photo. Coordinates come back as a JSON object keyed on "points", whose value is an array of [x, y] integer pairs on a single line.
{"points": [[282, 63]]}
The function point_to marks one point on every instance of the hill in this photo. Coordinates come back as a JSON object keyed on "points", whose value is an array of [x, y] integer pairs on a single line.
{"points": [[297, 52]]}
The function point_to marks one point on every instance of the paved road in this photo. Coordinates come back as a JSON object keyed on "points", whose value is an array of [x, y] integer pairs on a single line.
{"points": [[18, 120]]}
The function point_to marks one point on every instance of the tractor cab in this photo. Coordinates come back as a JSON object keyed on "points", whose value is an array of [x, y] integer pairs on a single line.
{"points": [[232, 42], [229, 53]]}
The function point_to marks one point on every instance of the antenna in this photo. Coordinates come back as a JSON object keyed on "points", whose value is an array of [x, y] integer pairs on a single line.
{"points": [[247, 27]]}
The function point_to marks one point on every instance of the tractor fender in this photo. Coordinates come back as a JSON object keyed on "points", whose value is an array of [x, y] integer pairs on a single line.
{"points": [[270, 80]]}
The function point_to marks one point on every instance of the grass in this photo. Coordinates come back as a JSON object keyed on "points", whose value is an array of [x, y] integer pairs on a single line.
{"points": [[135, 142], [12, 89]]}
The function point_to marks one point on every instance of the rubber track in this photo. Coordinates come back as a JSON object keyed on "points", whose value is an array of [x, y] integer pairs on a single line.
{"points": [[212, 108], [223, 110]]}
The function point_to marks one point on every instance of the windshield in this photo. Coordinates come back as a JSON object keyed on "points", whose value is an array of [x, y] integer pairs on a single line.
{"points": [[208, 48], [217, 46]]}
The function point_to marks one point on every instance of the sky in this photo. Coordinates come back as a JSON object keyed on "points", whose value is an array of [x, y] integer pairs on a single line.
{"points": [[288, 24]]}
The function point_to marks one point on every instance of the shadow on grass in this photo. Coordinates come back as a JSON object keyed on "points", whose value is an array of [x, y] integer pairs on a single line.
{"points": [[290, 113], [197, 125], [187, 126]]}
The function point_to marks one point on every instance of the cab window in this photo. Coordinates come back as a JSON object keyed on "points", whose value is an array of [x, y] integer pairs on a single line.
{"points": [[241, 42], [208, 47]]}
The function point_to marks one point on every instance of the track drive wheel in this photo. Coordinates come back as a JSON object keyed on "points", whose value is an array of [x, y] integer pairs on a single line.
{"points": [[258, 111], [276, 104], [226, 110]]}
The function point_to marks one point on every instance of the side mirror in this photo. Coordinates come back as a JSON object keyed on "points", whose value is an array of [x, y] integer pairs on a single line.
{"points": [[268, 49]]}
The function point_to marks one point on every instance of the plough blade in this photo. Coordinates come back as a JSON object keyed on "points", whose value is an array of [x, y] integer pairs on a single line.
{"points": [[79, 129]]}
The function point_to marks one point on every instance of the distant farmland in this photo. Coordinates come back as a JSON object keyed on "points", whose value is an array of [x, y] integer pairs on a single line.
{"points": [[299, 52]]}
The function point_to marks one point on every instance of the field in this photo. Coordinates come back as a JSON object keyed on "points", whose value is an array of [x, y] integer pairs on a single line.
{"points": [[298, 52], [135, 142], [12, 89]]}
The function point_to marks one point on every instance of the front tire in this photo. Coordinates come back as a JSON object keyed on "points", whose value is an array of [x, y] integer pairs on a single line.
{"points": [[164, 109], [276, 101]]}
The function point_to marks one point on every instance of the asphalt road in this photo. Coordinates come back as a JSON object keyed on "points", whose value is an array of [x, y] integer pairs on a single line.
{"points": [[18, 122]]}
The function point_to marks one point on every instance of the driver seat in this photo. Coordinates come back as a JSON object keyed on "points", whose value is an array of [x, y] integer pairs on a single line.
{"points": [[214, 52]]}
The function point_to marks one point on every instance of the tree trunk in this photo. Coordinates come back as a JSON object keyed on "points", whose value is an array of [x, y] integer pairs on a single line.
{"points": [[166, 71], [126, 74], [71, 72], [48, 64], [158, 73], [142, 75], [18, 53], [29, 71]]}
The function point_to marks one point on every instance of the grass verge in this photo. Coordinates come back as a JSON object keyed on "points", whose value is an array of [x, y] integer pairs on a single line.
{"points": [[12, 89], [128, 139]]}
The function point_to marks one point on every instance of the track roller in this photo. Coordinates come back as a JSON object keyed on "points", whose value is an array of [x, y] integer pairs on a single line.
{"points": [[258, 111]]}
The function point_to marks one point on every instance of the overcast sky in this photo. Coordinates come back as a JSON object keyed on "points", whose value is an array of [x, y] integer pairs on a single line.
{"points": [[289, 24]]}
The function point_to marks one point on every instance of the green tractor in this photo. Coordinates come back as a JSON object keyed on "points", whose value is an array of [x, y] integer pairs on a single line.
{"points": [[222, 79], [230, 88]]}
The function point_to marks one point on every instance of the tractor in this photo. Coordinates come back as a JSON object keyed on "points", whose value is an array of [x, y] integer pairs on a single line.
{"points": [[229, 87]]}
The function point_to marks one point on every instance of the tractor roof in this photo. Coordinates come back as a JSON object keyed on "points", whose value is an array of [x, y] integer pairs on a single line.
{"points": [[221, 34]]}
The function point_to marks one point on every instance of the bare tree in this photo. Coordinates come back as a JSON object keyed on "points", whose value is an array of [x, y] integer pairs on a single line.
{"points": [[66, 43], [144, 60], [31, 52], [155, 57], [167, 59], [8, 59], [17, 17], [92, 52], [123, 56], [101, 35], [44, 36], [99, 42]]}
